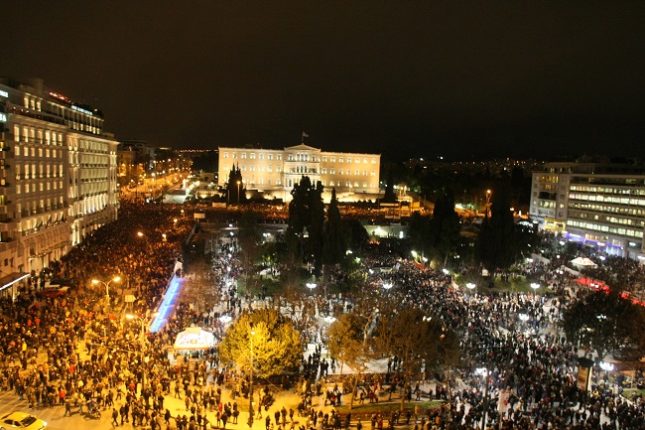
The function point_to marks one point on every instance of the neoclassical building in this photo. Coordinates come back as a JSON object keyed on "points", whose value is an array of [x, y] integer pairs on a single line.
{"points": [[273, 172], [57, 175]]}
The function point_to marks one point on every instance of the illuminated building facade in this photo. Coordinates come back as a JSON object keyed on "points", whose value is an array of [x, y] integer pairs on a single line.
{"points": [[599, 204], [58, 175], [273, 172]]}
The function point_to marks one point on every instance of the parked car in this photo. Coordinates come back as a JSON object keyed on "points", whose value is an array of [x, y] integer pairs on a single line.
{"points": [[21, 420]]}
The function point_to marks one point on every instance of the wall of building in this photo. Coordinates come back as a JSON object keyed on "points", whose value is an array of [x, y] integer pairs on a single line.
{"points": [[603, 209], [57, 176], [274, 172]]}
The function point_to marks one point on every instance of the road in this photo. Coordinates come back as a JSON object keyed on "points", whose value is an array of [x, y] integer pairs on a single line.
{"points": [[55, 418]]}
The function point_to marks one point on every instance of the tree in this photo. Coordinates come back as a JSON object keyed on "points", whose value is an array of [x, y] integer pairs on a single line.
{"points": [[429, 345], [390, 195], [306, 211], [419, 232], [355, 233], [444, 227], [315, 227], [606, 323], [266, 338], [235, 190], [496, 245], [345, 344], [333, 243]]}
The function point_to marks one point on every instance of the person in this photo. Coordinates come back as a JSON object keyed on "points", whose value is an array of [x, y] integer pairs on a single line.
{"points": [[68, 408], [115, 416]]}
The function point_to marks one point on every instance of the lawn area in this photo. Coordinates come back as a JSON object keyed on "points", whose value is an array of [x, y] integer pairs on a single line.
{"points": [[631, 393], [387, 407]]}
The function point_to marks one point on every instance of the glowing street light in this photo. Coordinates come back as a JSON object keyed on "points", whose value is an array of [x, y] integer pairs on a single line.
{"points": [[471, 286], [445, 271], [387, 285], [116, 279], [523, 317], [140, 234], [534, 286], [607, 367], [238, 182], [414, 253], [311, 285]]}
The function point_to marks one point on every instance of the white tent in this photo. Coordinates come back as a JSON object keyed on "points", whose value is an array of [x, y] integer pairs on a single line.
{"points": [[583, 262], [194, 339]]}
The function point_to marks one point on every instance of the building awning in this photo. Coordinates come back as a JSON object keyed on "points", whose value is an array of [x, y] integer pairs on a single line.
{"points": [[8, 280]]}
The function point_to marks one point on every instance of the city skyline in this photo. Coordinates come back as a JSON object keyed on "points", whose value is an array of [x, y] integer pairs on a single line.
{"points": [[416, 79]]}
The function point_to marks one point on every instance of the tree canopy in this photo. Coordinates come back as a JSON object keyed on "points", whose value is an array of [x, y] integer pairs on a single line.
{"points": [[235, 189], [334, 243], [267, 337], [497, 242], [606, 323], [306, 211]]}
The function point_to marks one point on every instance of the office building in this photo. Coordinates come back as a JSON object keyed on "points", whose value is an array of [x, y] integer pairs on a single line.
{"points": [[273, 172], [57, 175], [599, 204]]}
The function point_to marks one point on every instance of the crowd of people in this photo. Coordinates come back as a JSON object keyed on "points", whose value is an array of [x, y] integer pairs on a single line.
{"points": [[79, 352], [516, 338]]}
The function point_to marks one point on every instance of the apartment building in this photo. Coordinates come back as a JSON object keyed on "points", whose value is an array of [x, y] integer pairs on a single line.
{"points": [[600, 204], [58, 175], [273, 172]]}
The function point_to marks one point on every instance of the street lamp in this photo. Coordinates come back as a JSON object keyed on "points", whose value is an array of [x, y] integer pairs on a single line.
{"points": [[140, 234], [471, 286], [387, 285], [534, 286], [164, 237], [238, 191], [489, 192], [523, 317], [133, 317], [251, 382], [115, 279], [311, 285]]}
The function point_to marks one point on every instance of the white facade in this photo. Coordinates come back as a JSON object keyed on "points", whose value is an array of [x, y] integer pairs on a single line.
{"points": [[57, 176], [599, 204], [93, 194], [274, 172]]}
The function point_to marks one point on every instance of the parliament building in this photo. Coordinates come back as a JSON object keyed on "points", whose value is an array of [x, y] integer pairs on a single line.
{"points": [[273, 172]]}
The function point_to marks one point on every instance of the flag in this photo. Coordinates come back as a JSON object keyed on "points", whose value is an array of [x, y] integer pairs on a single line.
{"points": [[304, 134]]}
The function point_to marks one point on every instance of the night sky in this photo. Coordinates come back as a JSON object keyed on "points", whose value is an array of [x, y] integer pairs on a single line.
{"points": [[402, 78]]}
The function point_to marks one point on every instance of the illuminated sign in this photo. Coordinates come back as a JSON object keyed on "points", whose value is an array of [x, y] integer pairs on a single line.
{"points": [[3, 93], [78, 109], [59, 96], [3, 117]]}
